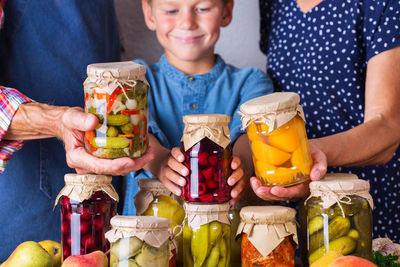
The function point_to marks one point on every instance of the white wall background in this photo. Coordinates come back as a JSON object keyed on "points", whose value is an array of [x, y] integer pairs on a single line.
{"points": [[238, 44]]}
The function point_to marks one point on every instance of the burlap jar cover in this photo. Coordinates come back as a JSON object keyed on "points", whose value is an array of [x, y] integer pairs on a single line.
{"points": [[212, 126], [153, 230], [267, 226], [80, 187], [200, 214], [337, 187], [111, 75], [150, 188], [274, 110]]}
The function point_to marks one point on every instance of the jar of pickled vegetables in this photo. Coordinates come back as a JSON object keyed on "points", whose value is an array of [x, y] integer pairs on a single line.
{"points": [[206, 235], [140, 241], [269, 236], [116, 93], [337, 216], [87, 204], [236, 243], [154, 199], [208, 154], [275, 128]]}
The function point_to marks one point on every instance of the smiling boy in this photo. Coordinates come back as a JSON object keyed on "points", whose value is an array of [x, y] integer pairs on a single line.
{"points": [[190, 79]]}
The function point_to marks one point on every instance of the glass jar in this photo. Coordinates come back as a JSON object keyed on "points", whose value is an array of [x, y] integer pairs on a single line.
{"points": [[269, 236], [140, 241], [236, 243], [206, 235], [116, 93], [154, 199], [87, 203], [208, 155], [275, 128], [337, 216]]}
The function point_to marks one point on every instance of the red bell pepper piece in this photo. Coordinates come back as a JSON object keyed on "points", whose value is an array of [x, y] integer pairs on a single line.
{"points": [[129, 112]]}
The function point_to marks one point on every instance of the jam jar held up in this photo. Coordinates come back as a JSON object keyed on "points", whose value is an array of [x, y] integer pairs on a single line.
{"points": [[269, 236], [116, 93], [275, 128], [206, 235], [87, 204], [208, 155], [140, 241], [154, 199], [336, 216]]}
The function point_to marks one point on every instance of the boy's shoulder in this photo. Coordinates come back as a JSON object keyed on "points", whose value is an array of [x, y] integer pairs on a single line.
{"points": [[244, 71]]}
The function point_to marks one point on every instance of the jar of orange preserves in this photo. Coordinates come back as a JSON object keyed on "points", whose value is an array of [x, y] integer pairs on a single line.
{"points": [[275, 128], [269, 236]]}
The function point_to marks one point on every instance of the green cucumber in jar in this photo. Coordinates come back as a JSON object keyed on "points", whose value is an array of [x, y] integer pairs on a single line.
{"points": [[113, 153], [117, 120], [127, 128], [110, 142], [112, 131]]}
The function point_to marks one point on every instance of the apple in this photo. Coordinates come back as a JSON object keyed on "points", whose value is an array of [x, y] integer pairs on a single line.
{"points": [[95, 259], [54, 249], [351, 261]]}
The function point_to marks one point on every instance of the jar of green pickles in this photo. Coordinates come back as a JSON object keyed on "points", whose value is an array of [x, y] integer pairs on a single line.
{"points": [[206, 235], [337, 216], [154, 199], [116, 93], [140, 241]]}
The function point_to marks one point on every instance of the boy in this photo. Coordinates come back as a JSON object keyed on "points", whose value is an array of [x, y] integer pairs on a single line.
{"points": [[191, 79]]}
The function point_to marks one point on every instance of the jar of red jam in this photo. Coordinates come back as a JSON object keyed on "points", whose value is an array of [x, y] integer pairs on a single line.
{"points": [[117, 93], [277, 134], [87, 204], [208, 154], [269, 236]]}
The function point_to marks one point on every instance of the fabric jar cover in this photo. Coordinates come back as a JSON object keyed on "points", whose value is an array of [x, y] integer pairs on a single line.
{"points": [[336, 187], [267, 226], [212, 126], [112, 75], [200, 214], [274, 110], [80, 187]]}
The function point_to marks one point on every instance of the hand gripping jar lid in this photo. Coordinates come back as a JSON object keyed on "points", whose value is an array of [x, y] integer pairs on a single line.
{"points": [[267, 226], [110, 75], [335, 187], [274, 110], [200, 214], [149, 188], [150, 229], [212, 126], [80, 187]]}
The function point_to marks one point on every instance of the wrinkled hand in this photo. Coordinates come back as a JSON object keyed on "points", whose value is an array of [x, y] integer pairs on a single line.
{"points": [[74, 123], [293, 193], [239, 180]]}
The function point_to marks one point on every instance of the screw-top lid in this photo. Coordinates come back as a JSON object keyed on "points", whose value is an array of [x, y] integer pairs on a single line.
{"points": [[80, 187], [336, 186], [213, 126], [274, 110], [267, 214], [267, 226], [150, 229], [199, 214]]}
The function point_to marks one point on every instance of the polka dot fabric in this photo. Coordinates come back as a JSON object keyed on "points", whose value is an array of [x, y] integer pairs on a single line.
{"points": [[322, 55]]}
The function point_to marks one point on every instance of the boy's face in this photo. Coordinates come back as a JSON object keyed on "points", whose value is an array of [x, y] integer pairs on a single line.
{"points": [[187, 29]]}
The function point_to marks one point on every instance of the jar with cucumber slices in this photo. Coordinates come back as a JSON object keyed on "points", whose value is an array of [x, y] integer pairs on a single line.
{"points": [[337, 216], [117, 93]]}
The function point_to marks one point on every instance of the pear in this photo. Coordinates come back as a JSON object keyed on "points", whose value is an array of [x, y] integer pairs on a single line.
{"points": [[325, 260], [29, 254], [54, 249]]}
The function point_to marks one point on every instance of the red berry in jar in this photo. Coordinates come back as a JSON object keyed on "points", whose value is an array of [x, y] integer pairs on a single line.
{"points": [[88, 241]]}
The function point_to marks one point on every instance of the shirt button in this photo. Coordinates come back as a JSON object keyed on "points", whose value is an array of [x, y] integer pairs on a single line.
{"points": [[193, 106], [191, 79]]}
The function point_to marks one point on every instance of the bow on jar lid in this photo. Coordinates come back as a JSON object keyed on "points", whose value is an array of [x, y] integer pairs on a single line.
{"points": [[267, 226], [273, 110], [212, 126]]}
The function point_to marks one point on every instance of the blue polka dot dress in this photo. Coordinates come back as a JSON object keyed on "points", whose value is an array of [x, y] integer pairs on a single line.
{"points": [[322, 55]]}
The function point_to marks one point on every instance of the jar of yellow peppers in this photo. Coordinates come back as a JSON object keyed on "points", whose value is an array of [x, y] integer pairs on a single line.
{"points": [[275, 128], [206, 235]]}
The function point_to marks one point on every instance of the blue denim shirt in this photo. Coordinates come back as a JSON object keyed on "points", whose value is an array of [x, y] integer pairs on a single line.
{"points": [[45, 47], [174, 94]]}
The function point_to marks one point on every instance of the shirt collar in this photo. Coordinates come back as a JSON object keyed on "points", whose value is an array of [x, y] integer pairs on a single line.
{"points": [[174, 73]]}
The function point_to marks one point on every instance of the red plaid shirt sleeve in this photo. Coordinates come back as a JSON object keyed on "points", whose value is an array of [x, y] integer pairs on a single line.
{"points": [[10, 99]]}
